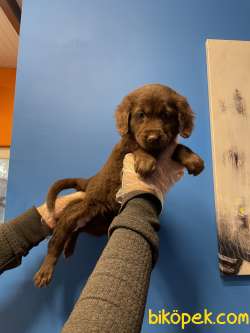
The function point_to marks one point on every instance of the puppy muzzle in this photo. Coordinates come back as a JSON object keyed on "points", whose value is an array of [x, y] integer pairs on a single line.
{"points": [[154, 139]]}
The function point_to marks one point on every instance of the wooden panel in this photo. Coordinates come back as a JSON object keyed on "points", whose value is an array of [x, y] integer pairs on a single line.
{"points": [[229, 98], [9, 42], [13, 13]]}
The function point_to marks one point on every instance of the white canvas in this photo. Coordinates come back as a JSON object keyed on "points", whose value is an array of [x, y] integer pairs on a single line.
{"points": [[229, 98]]}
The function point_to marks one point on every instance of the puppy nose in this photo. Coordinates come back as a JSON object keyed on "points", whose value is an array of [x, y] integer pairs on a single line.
{"points": [[153, 138]]}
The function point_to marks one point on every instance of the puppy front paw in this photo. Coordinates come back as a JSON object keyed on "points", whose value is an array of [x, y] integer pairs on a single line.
{"points": [[194, 165], [145, 166]]}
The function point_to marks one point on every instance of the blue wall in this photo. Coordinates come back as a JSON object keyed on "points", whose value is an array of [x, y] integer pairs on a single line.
{"points": [[77, 59]]}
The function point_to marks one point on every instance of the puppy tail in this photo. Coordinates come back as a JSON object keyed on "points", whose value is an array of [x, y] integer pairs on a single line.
{"points": [[80, 184]]}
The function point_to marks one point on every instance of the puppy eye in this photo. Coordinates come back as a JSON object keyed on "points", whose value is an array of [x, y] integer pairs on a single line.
{"points": [[165, 115], [140, 115]]}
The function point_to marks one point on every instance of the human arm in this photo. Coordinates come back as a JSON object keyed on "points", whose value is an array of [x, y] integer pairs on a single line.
{"points": [[113, 300], [25, 231]]}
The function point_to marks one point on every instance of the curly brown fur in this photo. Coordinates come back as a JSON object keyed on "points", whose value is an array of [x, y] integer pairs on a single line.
{"points": [[148, 120]]}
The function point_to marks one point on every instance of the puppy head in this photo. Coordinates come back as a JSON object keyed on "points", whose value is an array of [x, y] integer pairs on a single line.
{"points": [[154, 115]]}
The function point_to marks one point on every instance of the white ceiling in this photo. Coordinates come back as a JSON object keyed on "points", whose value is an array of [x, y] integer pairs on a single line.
{"points": [[8, 42]]}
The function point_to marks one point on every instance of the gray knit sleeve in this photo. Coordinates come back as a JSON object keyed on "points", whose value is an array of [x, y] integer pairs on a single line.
{"points": [[18, 236], [113, 300]]}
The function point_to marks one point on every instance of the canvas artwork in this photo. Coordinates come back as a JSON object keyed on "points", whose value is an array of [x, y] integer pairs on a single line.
{"points": [[229, 98], [4, 164]]}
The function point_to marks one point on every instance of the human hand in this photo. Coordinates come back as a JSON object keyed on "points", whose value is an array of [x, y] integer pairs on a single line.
{"points": [[61, 203], [166, 174]]}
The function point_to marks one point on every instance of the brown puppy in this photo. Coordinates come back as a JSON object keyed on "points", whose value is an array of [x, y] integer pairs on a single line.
{"points": [[148, 119]]}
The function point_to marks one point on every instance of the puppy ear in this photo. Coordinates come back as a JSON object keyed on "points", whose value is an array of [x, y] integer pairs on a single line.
{"points": [[122, 115], [185, 116]]}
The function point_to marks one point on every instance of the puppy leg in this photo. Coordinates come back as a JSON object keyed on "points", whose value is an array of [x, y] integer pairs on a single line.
{"points": [[188, 159], [55, 247], [64, 227], [70, 244], [144, 163], [99, 226]]}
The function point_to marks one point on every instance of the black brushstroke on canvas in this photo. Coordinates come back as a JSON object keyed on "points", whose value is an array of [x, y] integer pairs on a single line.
{"points": [[235, 158], [239, 103], [244, 221], [222, 106], [228, 265]]}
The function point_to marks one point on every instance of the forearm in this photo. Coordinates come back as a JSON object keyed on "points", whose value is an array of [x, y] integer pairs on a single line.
{"points": [[114, 297], [18, 236]]}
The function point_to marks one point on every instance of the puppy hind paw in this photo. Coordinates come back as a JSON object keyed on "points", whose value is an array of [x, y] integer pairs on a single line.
{"points": [[43, 277]]}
